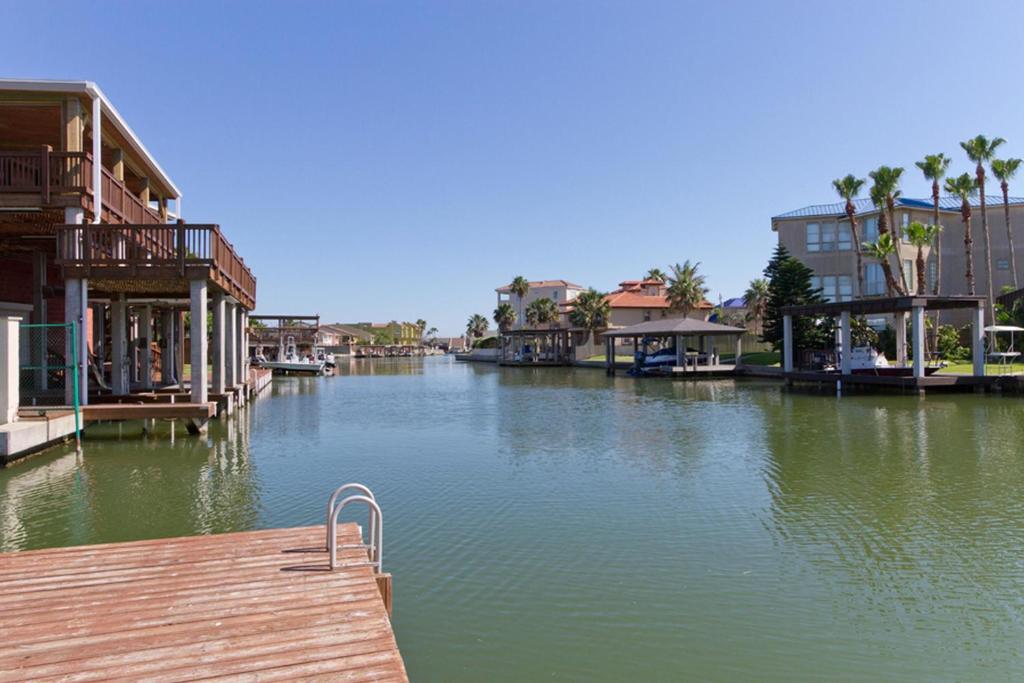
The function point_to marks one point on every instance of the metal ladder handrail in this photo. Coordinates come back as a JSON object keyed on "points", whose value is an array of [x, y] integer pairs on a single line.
{"points": [[376, 532], [331, 503]]}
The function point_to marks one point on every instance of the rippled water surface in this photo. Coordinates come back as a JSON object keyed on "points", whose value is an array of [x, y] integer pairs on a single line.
{"points": [[558, 524]]}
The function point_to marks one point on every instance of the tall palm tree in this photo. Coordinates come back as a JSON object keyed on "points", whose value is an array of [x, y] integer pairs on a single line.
{"points": [[520, 286], [878, 199], [542, 311], [882, 250], [921, 236], [980, 150], [477, 326], [965, 187], [656, 274], [504, 316], [887, 181], [1004, 170], [848, 188], [934, 167], [756, 300], [686, 288], [590, 311]]}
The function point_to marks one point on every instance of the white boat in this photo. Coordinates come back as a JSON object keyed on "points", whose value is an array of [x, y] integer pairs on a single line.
{"points": [[293, 363], [865, 360]]}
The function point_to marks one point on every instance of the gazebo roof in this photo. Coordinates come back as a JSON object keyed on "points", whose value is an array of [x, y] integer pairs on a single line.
{"points": [[674, 326], [888, 304]]}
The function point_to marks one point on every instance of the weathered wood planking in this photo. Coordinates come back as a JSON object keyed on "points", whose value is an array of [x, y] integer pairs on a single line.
{"points": [[242, 606]]}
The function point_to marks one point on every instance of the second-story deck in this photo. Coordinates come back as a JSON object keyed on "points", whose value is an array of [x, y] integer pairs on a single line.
{"points": [[54, 179], [161, 259]]}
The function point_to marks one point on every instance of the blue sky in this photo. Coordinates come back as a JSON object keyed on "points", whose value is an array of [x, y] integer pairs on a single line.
{"points": [[387, 160]]}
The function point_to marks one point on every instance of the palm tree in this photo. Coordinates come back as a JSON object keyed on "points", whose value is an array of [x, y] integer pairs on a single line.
{"points": [[520, 286], [1004, 170], [965, 187], [886, 190], [882, 250], [686, 288], [934, 167], [504, 316], [590, 311], [656, 274], [848, 188], [979, 150], [542, 311], [921, 236], [756, 300], [878, 199], [477, 326]]}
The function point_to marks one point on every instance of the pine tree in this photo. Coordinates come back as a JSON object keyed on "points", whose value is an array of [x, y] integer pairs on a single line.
{"points": [[789, 284]]}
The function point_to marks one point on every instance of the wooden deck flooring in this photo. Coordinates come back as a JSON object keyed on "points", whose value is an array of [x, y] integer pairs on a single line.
{"points": [[257, 605]]}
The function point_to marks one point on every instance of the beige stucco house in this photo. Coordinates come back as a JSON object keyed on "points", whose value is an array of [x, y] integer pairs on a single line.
{"points": [[559, 291]]}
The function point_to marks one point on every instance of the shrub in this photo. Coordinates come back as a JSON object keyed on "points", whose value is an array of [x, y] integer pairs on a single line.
{"points": [[949, 345]]}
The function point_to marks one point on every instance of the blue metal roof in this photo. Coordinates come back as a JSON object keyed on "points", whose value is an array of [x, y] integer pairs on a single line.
{"points": [[735, 302], [863, 205]]}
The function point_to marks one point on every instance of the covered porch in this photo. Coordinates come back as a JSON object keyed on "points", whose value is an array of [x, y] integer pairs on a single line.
{"points": [[672, 337]]}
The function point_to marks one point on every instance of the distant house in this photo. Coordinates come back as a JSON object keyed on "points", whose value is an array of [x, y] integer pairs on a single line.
{"points": [[401, 333], [342, 339], [562, 292]]}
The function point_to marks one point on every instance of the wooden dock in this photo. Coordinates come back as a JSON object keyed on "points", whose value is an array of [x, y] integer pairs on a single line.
{"points": [[257, 605]]}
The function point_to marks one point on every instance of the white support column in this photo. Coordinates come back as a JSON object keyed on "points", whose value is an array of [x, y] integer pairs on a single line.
{"points": [[230, 346], [739, 350], [217, 340], [680, 351], [119, 346], [787, 343], [978, 341], [242, 350], [197, 339], [38, 353], [97, 159], [75, 307], [146, 359], [845, 343], [9, 379], [918, 341], [901, 339]]}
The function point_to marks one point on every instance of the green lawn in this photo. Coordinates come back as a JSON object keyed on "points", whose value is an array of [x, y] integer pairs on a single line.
{"points": [[966, 368], [763, 358], [618, 359]]}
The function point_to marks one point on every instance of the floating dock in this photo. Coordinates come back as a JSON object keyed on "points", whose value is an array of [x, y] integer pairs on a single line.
{"points": [[256, 605]]}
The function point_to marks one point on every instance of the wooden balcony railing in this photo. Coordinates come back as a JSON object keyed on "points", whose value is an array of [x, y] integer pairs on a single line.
{"points": [[49, 173], [165, 251]]}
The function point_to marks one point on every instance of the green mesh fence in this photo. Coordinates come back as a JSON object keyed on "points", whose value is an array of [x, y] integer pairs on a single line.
{"points": [[48, 371]]}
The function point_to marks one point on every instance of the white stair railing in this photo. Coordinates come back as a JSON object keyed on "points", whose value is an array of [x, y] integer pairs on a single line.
{"points": [[376, 523]]}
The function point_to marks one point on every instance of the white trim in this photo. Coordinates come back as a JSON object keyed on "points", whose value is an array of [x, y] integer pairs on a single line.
{"points": [[92, 90]]}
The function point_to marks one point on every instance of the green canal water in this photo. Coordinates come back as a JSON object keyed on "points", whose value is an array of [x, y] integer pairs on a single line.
{"points": [[556, 524]]}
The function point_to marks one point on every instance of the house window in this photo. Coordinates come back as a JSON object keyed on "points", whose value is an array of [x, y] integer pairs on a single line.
{"points": [[870, 232], [906, 224], [828, 236], [874, 279], [664, 313], [1003, 264], [844, 287], [845, 237], [813, 237], [834, 287], [908, 272], [554, 295], [647, 315]]}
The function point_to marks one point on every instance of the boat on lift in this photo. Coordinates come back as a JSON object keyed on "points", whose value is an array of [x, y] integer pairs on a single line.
{"points": [[866, 360], [291, 363]]}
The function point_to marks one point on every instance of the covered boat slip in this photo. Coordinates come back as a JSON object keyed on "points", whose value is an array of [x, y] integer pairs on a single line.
{"points": [[551, 347], [901, 308], [675, 333], [256, 605]]}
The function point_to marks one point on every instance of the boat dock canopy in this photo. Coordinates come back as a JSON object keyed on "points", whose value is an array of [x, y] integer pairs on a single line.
{"points": [[674, 326], [888, 304]]}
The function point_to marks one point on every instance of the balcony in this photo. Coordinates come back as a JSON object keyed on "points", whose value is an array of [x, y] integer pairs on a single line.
{"points": [[163, 256], [47, 175]]}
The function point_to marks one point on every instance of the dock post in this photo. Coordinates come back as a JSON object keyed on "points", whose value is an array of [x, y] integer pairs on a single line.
{"points": [[146, 364], [918, 341], [76, 311], [170, 354], [197, 339], [901, 339], [978, 341], [787, 343], [118, 346], [217, 338], [845, 343]]}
